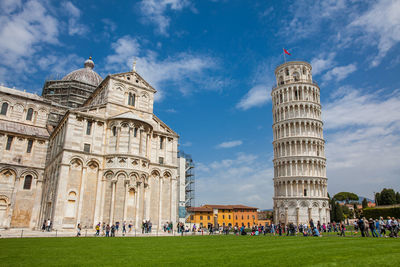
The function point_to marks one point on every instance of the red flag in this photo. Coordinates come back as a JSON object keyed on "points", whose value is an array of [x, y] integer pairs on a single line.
{"points": [[286, 52]]}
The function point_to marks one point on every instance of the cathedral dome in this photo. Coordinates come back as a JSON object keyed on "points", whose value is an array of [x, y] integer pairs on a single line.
{"points": [[85, 75]]}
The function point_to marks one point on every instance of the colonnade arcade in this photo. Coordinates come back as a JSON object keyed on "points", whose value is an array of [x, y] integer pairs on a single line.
{"points": [[299, 147], [301, 187], [136, 196], [297, 127], [298, 110], [130, 136], [301, 211], [296, 93], [299, 167]]}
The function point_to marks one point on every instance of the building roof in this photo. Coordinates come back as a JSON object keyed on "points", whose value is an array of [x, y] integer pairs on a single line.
{"points": [[23, 129], [229, 207], [199, 209], [11, 91], [85, 75]]}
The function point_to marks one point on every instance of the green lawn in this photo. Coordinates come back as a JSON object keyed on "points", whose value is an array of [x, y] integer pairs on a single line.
{"points": [[201, 250]]}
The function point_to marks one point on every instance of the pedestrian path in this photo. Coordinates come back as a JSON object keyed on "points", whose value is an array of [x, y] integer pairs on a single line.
{"points": [[25, 233]]}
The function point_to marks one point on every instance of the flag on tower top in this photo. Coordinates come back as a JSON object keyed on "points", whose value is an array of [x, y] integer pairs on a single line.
{"points": [[286, 52]]}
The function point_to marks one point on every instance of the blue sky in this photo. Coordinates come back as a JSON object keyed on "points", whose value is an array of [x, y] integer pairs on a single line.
{"points": [[213, 63]]}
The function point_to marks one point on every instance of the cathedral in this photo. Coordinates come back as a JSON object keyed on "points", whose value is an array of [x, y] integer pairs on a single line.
{"points": [[88, 150]]}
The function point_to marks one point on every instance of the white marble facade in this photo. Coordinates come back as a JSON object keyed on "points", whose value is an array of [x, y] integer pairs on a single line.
{"points": [[110, 160], [300, 183]]}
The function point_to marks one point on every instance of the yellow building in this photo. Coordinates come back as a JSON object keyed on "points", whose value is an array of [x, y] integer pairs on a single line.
{"points": [[223, 215]]}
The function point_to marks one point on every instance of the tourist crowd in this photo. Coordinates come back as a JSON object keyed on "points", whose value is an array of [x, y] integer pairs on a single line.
{"points": [[368, 228]]}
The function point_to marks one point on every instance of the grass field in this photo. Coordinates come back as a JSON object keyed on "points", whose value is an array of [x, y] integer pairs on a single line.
{"points": [[201, 251]]}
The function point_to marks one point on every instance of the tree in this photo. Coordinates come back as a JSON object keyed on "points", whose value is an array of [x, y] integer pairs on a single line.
{"points": [[339, 213], [387, 197], [377, 199], [333, 208], [397, 198], [346, 211], [365, 203], [345, 196]]}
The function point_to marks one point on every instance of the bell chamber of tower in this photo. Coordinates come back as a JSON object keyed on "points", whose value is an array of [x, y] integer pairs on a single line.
{"points": [[300, 183]]}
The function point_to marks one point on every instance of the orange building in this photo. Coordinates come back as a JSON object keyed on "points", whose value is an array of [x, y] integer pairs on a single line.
{"points": [[223, 215]]}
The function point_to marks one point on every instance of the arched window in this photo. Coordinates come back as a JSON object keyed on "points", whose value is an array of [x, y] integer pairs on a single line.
{"points": [[4, 108], [287, 71], [29, 114], [131, 99], [28, 182], [114, 131]]}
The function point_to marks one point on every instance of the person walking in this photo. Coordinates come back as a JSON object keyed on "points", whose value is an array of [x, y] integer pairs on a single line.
{"points": [[361, 226], [124, 229], [342, 229], [372, 227], [78, 228], [108, 230], [98, 229], [112, 230], [48, 225]]}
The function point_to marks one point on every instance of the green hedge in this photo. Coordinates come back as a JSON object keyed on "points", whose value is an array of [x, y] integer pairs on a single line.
{"points": [[375, 213]]}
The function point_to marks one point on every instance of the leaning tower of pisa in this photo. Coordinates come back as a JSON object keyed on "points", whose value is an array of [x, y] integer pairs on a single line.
{"points": [[300, 183]]}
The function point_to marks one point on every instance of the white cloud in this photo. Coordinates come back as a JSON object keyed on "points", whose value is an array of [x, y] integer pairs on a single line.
{"points": [[363, 141], [179, 71], [154, 11], [379, 26], [187, 144], [74, 27], [323, 63], [255, 97], [8, 6], [230, 144], [307, 18], [339, 73], [352, 108], [244, 179], [25, 29]]}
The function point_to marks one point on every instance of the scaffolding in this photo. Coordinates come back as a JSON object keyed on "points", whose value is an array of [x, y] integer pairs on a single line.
{"points": [[189, 179]]}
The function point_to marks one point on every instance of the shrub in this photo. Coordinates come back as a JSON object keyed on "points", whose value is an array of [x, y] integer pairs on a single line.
{"points": [[375, 213]]}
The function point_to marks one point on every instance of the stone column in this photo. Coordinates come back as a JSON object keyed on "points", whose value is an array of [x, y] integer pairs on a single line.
{"points": [[129, 139], [114, 185], [297, 216], [286, 193], [12, 199], [140, 142], [146, 201], [160, 202], [81, 193], [137, 195], [126, 199], [35, 223], [103, 192], [98, 197], [286, 216], [117, 141]]}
